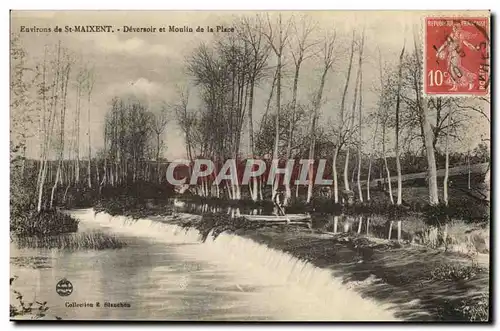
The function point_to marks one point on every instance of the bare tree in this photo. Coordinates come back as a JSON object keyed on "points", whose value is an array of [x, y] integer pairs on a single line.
{"points": [[383, 113], [277, 36], [90, 80], [66, 68], [398, 102], [427, 133], [160, 119], [341, 122], [370, 158], [251, 32], [268, 103], [52, 109], [185, 120], [351, 125], [301, 51], [360, 191], [79, 84]]}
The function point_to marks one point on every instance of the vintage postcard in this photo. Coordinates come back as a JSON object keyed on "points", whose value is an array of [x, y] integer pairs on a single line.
{"points": [[250, 165]]}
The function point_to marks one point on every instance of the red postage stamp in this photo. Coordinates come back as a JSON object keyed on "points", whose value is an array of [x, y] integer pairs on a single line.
{"points": [[457, 56]]}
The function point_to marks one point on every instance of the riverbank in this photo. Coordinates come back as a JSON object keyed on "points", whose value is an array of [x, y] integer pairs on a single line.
{"points": [[419, 283]]}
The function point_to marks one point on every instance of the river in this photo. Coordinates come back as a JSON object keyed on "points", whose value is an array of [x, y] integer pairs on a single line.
{"points": [[165, 273]]}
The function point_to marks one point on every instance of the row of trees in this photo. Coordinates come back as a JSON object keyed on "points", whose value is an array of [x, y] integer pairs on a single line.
{"points": [[227, 72], [39, 109], [40, 92], [133, 136]]}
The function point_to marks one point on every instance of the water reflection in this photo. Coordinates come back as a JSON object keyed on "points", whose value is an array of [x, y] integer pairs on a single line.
{"points": [[375, 226]]}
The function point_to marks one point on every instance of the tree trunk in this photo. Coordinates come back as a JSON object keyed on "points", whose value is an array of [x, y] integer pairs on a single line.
{"points": [[370, 161], [268, 103], [58, 173], [431, 160], [50, 125], [250, 119], [312, 132], [341, 125], [261, 196], [447, 165], [468, 170], [351, 127], [428, 137], [360, 143], [368, 179], [77, 134], [277, 123], [288, 192], [335, 180], [386, 165], [346, 170], [64, 89], [398, 100], [89, 178], [97, 171], [158, 177]]}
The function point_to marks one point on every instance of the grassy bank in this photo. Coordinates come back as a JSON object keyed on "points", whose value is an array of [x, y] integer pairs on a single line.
{"points": [[72, 241]]}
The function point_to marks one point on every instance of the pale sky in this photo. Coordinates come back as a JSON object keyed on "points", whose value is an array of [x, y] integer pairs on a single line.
{"points": [[151, 65]]}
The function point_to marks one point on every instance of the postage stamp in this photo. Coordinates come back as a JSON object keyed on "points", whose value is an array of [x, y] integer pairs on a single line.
{"points": [[457, 56]]}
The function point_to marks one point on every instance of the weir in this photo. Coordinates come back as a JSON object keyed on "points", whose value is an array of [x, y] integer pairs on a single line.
{"points": [[315, 287]]}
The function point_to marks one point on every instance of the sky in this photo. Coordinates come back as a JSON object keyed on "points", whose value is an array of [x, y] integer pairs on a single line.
{"points": [[152, 65]]}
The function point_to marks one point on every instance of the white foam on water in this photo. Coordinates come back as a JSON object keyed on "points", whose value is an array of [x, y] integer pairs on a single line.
{"points": [[292, 289]]}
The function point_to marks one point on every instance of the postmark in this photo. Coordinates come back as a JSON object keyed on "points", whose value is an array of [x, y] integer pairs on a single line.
{"points": [[457, 56]]}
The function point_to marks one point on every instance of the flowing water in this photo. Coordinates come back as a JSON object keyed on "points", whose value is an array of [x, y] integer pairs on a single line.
{"points": [[166, 273]]}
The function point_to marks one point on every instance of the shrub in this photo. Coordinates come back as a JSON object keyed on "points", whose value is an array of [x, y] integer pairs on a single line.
{"points": [[475, 309], [464, 209], [35, 309], [456, 272], [22, 194], [324, 205], [46, 222], [437, 215], [80, 196], [133, 207]]}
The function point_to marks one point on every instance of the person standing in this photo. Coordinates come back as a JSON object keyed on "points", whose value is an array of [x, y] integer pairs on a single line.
{"points": [[278, 202]]}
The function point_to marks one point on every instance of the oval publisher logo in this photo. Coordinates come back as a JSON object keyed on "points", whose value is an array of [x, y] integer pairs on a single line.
{"points": [[64, 287]]}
